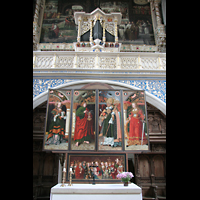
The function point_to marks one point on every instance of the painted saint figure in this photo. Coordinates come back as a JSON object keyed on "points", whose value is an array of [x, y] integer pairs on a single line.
{"points": [[56, 134], [135, 120], [84, 130], [79, 173], [110, 124]]}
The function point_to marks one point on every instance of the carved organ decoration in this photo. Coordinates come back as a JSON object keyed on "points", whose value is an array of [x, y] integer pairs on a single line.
{"points": [[37, 20], [159, 28], [97, 28]]}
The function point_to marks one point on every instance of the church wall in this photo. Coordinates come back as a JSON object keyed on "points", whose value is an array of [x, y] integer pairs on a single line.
{"points": [[154, 87], [135, 64], [155, 174]]}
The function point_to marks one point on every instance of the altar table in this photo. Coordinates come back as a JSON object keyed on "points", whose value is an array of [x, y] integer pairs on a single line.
{"points": [[96, 192]]}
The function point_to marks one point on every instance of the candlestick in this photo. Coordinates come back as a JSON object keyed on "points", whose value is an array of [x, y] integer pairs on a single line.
{"points": [[64, 174], [70, 177], [63, 180]]}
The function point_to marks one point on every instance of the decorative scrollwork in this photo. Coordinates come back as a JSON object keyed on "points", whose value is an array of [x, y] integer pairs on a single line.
{"points": [[86, 62], [107, 63], [65, 61], [110, 27], [129, 62]]}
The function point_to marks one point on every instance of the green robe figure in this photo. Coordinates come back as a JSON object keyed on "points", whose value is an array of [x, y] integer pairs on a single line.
{"points": [[109, 128], [56, 134]]}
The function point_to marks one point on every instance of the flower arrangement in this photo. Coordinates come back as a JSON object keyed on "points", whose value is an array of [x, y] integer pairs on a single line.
{"points": [[125, 176]]}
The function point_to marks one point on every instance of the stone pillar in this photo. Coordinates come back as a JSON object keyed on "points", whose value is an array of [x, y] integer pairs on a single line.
{"points": [[79, 30], [160, 29], [139, 66], [59, 173], [75, 61], [91, 30], [54, 61], [104, 34], [118, 62], [37, 22], [163, 5], [116, 35], [158, 16], [34, 60], [67, 122], [125, 116], [96, 62]]}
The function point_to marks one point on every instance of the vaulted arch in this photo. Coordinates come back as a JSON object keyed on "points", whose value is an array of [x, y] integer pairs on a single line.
{"points": [[101, 84]]}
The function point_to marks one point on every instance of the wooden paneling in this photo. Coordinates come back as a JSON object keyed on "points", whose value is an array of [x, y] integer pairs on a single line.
{"points": [[144, 166], [36, 164], [150, 172], [45, 165], [158, 161], [48, 165]]}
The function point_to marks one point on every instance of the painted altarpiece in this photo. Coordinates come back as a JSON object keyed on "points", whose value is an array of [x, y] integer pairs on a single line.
{"points": [[96, 120], [96, 127]]}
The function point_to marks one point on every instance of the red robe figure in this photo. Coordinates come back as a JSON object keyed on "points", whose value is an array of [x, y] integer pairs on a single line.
{"points": [[55, 28], [98, 171], [113, 171], [79, 173], [84, 130], [135, 131]]}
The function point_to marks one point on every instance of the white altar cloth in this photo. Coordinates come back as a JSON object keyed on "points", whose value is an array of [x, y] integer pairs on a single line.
{"points": [[96, 192]]}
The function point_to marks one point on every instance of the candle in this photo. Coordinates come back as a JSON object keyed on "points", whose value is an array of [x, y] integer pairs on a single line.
{"points": [[70, 169]]}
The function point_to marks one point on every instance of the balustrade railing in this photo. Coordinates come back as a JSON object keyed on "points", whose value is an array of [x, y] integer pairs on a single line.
{"points": [[90, 60]]}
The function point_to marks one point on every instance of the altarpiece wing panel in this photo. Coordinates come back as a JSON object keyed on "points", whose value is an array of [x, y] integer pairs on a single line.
{"points": [[135, 120], [57, 125], [83, 120], [110, 118]]}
